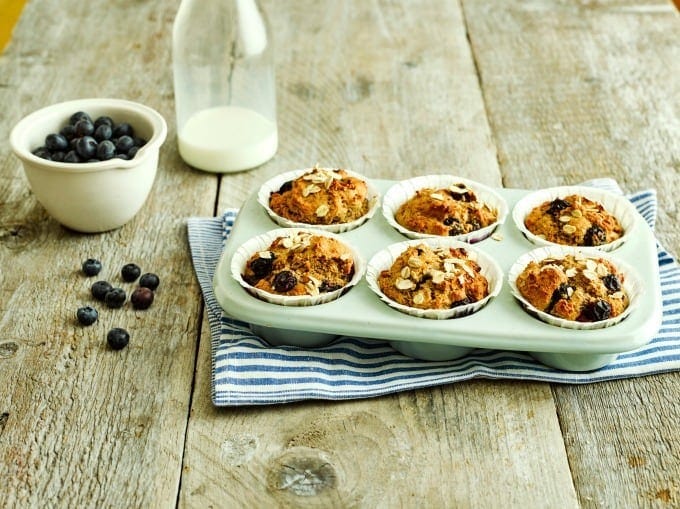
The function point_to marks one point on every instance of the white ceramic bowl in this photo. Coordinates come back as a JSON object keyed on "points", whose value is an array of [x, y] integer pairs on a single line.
{"points": [[97, 196]]}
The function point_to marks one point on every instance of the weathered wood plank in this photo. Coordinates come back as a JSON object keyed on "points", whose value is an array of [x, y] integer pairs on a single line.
{"points": [[393, 94], [577, 90], [81, 425]]}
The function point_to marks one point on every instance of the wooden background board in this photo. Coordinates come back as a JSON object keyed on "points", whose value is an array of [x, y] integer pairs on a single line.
{"points": [[521, 94]]}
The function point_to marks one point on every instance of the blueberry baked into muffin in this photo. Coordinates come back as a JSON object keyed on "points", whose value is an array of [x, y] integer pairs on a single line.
{"points": [[575, 288], [450, 211], [322, 196], [573, 220], [433, 278], [301, 264]]}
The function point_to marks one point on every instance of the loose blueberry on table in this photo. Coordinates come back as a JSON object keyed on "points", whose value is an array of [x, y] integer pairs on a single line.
{"points": [[118, 338], [150, 281], [91, 267], [142, 298], [130, 272], [87, 315], [115, 298], [100, 289]]}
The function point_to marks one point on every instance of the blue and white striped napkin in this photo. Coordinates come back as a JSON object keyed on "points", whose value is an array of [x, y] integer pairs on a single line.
{"points": [[247, 371]]}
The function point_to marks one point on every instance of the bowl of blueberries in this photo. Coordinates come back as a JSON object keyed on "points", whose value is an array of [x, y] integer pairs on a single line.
{"points": [[90, 162]]}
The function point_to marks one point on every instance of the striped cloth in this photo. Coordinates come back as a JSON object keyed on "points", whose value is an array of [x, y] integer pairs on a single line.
{"points": [[247, 371]]}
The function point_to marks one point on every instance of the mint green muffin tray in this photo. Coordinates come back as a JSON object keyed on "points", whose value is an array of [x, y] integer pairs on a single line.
{"points": [[503, 324]]}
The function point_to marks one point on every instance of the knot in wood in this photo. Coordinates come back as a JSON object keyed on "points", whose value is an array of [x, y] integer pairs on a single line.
{"points": [[16, 236], [303, 474], [8, 349]]}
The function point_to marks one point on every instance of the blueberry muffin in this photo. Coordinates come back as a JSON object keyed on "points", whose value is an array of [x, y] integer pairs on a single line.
{"points": [[574, 287], [573, 220], [322, 196], [301, 264], [450, 211], [433, 278]]}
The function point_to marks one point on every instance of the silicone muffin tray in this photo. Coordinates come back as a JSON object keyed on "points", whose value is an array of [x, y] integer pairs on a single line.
{"points": [[503, 324]]}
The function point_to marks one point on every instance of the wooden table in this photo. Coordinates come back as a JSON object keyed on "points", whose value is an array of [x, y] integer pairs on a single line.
{"points": [[512, 93]]}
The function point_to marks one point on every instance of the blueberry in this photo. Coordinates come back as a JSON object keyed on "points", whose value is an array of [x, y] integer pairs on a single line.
{"points": [[130, 272], [595, 236], [118, 338], [92, 267], [106, 150], [83, 127], [86, 146], [262, 267], [463, 302], [115, 298], [103, 132], [122, 129], [284, 281], [150, 281], [124, 143], [597, 310], [448, 221], [79, 115], [68, 132], [55, 142], [103, 120], [43, 153], [287, 186], [141, 298], [87, 315], [561, 292], [557, 205], [100, 289], [326, 287], [72, 157], [124, 157], [611, 282], [58, 156], [139, 142], [132, 152]]}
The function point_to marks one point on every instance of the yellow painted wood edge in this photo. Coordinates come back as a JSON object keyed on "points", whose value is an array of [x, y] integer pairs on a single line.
{"points": [[10, 10]]}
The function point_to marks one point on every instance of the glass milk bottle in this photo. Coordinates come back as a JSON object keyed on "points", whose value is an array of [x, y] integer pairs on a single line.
{"points": [[225, 93]]}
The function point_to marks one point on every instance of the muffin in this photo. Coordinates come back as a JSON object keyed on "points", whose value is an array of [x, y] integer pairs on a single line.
{"points": [[434, 278], [574, 287], [575, 216], [575, 221], [444, 206], [321, 197], [439, 278], [297, 266]]}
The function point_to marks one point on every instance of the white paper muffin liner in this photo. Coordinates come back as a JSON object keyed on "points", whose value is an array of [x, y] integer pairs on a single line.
{"points": [[402, 191], [384, 259], [275, 183], [633, 285], [262, 243], [616, 205]]}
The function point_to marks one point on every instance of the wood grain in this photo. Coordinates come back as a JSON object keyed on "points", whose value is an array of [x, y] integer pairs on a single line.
{"points": [[523, 94], [84, 426], [568, 101]]}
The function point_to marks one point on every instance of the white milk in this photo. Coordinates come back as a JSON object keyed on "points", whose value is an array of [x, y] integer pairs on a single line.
{"points": [[227, 138]]}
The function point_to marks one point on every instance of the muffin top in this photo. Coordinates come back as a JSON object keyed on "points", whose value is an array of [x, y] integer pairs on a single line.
{"points": [[433, 278], [574, 288], [300, 264], [450, 211], [575, 221], [322, 196]]}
